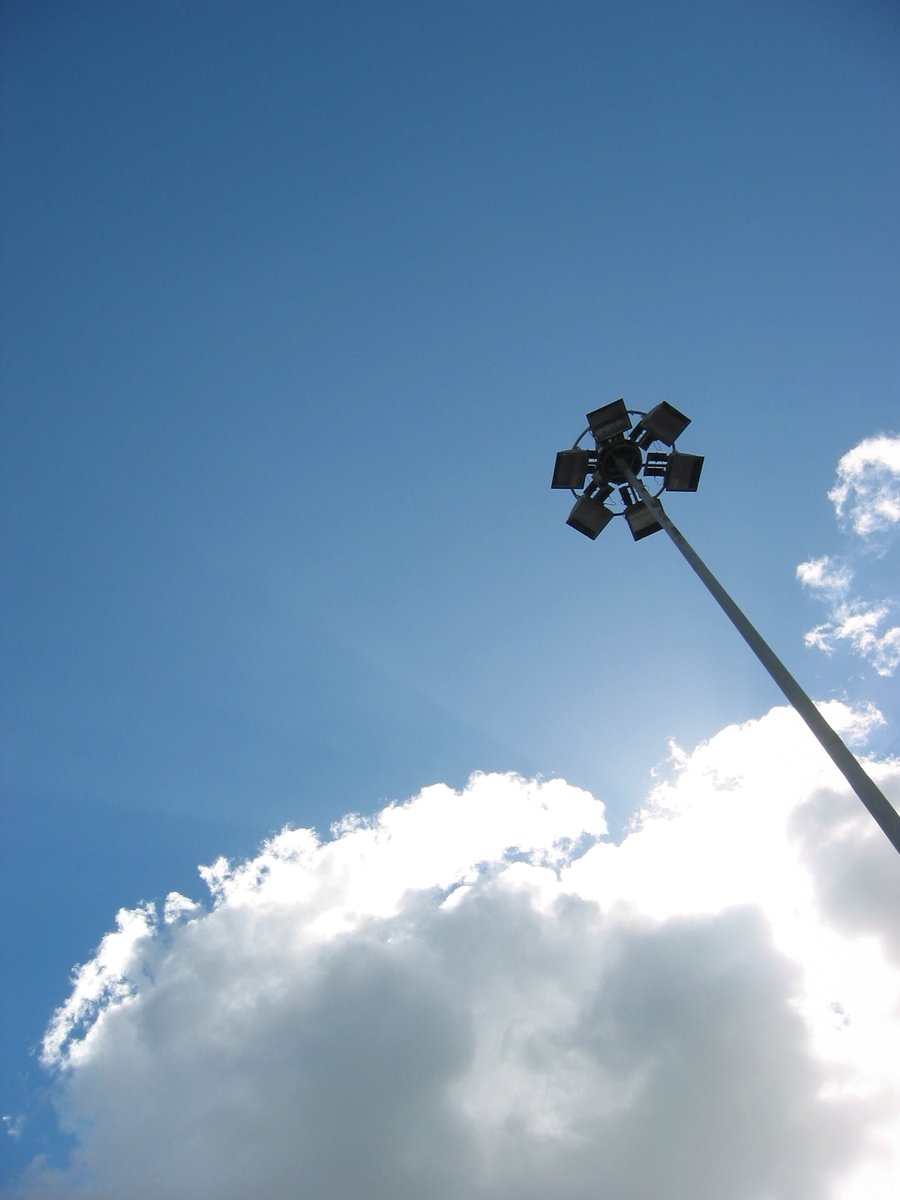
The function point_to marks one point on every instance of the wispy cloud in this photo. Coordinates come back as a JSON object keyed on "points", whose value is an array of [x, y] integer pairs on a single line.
{"points": [[862, 626], [475, 994], [866, 498], [13, 1126]]}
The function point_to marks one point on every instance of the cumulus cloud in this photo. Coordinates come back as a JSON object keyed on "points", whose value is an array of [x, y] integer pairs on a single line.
{"points": [[866, 496], [867, 491], [475, 993]]}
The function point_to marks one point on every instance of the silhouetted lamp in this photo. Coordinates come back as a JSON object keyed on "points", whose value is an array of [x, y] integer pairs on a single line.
{"points": [[609, 420], [661, 424], [571, 469], [641, 520], [589, 516], [622, 440], [683, 472]]}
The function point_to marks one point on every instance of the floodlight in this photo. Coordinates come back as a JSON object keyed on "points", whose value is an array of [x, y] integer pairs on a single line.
{"points": [[589, 517], [570, 470], [664, 424], [683, 472], [641, 520], [609, 420]]}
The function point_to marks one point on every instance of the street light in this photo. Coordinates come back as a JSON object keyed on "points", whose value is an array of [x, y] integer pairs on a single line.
{"points": [[610, 478]]}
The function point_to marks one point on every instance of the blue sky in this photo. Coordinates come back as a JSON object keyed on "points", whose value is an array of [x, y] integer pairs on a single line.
{"points": [[299, 302]]}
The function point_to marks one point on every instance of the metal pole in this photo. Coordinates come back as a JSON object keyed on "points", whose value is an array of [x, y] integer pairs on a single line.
{"points": [[869, 793]]}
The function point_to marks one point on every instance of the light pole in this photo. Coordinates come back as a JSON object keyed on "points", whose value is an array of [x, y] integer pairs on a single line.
{"points": [[606, 481]]}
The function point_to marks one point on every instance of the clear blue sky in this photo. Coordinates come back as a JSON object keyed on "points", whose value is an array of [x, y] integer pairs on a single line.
{"points": [[298, 303]]}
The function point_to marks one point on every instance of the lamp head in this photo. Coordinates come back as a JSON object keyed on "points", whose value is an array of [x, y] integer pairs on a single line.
{"points": [[571, 469], [641, 520], [590, 516], [683, 472], [609, 420], [664, 423]]}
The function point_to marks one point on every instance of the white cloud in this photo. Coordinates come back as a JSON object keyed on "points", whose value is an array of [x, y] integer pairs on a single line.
{"points": [[856, 724], [105, 980], [867, 494], [824, 574], [867, 491], [474, 994], [860, 624], [179, 908]]}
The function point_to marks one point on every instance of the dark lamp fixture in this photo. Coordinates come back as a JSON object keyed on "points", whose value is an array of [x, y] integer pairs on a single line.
{"points": [[609, 420], [683, 472], [589, 517], [664, 424], [623, 446], [641, 520], [570, 470]]}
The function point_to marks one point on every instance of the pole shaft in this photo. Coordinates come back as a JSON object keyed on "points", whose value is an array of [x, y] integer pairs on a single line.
{"points": [[865, 788]]}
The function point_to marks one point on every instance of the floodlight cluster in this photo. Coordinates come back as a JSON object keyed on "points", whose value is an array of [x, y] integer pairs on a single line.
{"points": [[625, 441]]}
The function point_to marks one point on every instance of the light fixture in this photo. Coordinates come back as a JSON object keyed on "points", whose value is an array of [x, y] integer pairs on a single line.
{"points": [[570, 470], [664, 423], [622, 440], [682, 473], [641, 520], [590, 516], [609, 420]]}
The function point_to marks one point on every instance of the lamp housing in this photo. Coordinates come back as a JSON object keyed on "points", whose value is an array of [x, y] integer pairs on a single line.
{"points": [[571, 468], [589, 516], [641, 520], [664, 423], [609, 420], [683, 472]]}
